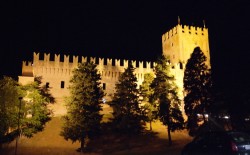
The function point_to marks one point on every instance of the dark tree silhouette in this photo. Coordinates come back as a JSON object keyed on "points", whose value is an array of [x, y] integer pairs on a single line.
{"points": [[198, 89]]}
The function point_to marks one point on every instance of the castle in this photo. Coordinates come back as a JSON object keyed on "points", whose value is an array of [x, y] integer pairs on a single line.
{"points": [[178, 44]]}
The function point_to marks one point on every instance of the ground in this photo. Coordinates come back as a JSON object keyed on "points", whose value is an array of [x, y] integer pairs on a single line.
{"points": [[49, 142]]}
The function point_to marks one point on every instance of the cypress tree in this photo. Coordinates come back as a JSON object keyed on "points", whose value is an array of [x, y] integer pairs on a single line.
{"points": [[197, 87]]}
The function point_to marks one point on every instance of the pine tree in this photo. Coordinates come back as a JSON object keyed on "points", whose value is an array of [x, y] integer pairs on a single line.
{"points": [[197, 87], [166, 95], [83, 117], [149, 107], [127, 113]]}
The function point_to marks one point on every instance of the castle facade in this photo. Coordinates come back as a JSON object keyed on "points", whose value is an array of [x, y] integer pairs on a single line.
{"points": [[178, 44]]}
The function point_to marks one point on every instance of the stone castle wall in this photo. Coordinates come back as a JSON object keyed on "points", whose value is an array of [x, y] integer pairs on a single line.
{"points": [[178, 43]]}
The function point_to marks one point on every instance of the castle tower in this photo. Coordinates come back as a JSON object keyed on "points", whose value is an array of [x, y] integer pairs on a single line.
{"points": [[179, 43]]}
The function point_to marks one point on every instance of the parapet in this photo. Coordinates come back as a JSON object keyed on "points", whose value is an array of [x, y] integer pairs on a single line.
{"points": [[27, 68], [191, 30], [65, 63]]}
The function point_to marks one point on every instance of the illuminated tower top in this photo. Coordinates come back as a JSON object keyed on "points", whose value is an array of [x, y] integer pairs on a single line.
{"points": [[179, 42]]}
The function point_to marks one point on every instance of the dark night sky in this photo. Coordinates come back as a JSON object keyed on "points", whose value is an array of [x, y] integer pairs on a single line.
{"points": [[129, 29]]}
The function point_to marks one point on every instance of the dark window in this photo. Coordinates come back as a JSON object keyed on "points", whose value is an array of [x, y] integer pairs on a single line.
{"points": [[181, 65], [47, 85], [62, 84], [104, 86]]}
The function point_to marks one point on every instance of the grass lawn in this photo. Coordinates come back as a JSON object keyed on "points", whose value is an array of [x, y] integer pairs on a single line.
{"points": [[49, 142]]}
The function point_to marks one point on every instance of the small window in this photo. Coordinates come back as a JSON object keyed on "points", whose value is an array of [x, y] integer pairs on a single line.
{"points": [[62, 84], [181, 65], [104, 86], [47, 85]]}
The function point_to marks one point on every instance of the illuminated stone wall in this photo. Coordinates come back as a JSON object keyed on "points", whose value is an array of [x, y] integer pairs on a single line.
{"points": [[178, 44], [180, 41]]}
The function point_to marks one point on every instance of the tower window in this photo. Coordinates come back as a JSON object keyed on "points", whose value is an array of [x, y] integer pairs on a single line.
{"points": [[62, 84], [47, 85], [104, 86]]}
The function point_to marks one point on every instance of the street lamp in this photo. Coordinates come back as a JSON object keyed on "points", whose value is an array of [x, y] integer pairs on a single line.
{"points": [[18, 123]]}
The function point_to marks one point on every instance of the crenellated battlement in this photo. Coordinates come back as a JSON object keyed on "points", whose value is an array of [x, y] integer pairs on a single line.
{"points": [[56, 63], [27, 63], [108, 68], [27, 68], [56, 70], [185, 29]]}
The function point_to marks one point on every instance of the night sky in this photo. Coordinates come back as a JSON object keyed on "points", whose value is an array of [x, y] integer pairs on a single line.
{"points": [[129, 29]]}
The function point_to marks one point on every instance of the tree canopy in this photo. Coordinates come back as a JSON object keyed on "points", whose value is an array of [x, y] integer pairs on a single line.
{"points": [[83, 117], [24, 107], [166, 95], [149, 107], [197, 87], [127, 112]]}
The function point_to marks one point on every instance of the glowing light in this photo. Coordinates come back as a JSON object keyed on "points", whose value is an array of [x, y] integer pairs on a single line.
{"points": [[226, 117], [104, 100]]}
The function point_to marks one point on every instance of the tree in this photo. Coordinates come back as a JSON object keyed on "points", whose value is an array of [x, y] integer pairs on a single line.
{"points": [[197, 87], [36, 112], [127, 113], [9, 104], [149, 106], [166, 96], [83, 117], [23, 109]]}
